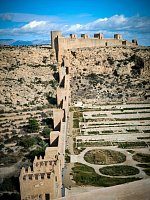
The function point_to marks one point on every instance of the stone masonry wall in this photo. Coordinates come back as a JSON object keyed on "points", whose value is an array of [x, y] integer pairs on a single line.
{"points": [[44, 182]]}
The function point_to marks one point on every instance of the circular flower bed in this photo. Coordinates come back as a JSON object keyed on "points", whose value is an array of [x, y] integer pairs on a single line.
{"points": [[104, 157]]}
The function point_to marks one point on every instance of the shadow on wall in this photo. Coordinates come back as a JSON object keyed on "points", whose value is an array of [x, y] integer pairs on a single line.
{"points": [[56, 76]]}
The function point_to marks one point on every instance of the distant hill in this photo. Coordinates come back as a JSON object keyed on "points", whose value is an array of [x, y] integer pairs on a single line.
{"points": [[12, 42]]}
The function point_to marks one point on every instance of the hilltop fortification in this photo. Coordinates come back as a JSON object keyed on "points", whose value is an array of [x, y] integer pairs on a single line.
{"points": [[60, 43], [99, 71]]}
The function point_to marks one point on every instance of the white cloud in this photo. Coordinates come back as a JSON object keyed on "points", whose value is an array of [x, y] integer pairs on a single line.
{"points": [[128, 26], [73, 28], [34, 25]]}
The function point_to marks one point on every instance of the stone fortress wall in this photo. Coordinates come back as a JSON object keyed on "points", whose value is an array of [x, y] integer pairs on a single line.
{"points": [[60, 43], [45, 180]]}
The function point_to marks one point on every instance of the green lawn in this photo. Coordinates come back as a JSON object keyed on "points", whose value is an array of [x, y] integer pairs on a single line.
{"points": [[119, 170], [84, 175]]}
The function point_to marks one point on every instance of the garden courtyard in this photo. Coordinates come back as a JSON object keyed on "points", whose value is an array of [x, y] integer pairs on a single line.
{"points": [[108, 144]]}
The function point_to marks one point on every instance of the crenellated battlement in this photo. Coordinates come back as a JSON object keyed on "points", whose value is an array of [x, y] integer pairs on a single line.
{"points": [[44, 179], [44, 166], [37, 176], [45, 159], [60, 43]]}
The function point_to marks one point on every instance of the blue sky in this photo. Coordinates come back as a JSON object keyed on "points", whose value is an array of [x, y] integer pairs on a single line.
{"points": [[34, 19]]}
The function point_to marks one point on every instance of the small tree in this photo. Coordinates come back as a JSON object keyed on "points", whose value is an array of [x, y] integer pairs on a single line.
{"points": [[43, 146], [33, 125], [28, 142], [46, 132]]}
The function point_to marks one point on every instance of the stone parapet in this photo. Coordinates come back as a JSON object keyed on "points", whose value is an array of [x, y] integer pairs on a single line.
{"points": [[45, 180]]}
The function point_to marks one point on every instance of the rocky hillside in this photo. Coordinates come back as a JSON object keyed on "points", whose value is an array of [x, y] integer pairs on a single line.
{"points": [[111, 60], [28, 77], [110, 74], [28, 81]]}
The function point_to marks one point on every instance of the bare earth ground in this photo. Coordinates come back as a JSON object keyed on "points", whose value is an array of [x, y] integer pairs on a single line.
{"points": [[138, 190]]}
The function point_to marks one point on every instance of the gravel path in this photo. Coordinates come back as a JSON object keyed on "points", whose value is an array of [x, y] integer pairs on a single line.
{"points": [[129, 161]]}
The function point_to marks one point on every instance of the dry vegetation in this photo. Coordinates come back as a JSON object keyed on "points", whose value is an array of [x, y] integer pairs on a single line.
{"points": [[28, 80], [110, 74]]}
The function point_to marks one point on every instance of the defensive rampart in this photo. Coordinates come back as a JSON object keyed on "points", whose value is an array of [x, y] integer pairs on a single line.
{"points": [[45, 180], [60, 43]]}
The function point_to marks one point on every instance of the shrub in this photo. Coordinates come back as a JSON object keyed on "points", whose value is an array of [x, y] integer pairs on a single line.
{"points": [[52, 100], [13, 139], [119, 170], [53, 67], [110, 60], [77, 114], [46, 132], [40, 151], [76, 123], [144, 165], [45, 59], [48, 122], [67, 151], [28, 142], [131, 145], [33, 125], [67, 158], [8, 159], [53, 83], [141, 157], [83, 174]]}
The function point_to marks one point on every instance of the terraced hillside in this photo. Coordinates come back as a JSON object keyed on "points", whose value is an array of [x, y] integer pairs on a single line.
{"points": [[28, 80]]}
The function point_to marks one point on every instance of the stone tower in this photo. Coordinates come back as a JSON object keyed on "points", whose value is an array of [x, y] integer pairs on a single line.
{"points": [[99, 35], [54, 36], [118, 36], [44, 181], [54, 42]]}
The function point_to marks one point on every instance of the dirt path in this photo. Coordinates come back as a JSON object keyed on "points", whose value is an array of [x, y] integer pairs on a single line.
{"points": [[138, 190]]}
